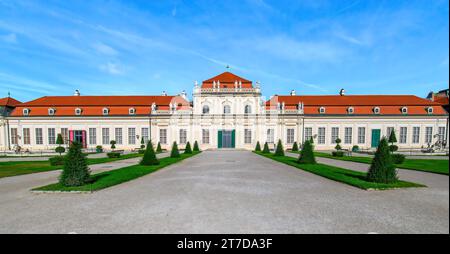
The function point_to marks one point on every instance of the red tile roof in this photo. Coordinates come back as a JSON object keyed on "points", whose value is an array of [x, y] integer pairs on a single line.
{"points": [[93, 105], [9, 102], [441, 99], [227, 80], [362, 104]]}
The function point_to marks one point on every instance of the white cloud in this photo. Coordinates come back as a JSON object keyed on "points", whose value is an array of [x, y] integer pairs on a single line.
{"points": [[104, 49], [111, 68]]}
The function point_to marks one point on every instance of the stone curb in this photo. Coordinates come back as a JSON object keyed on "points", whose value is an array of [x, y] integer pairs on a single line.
{"points": [[60, 192]]}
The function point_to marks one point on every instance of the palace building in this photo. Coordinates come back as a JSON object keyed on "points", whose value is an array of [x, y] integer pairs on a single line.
{"points": [[227, 111]]}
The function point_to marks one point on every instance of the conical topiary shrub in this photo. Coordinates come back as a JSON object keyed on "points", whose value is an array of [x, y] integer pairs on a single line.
{"points": [[295, 147], [75, 171], [307, 154], [266, 148], [382, 169], [174, 153], [158, 148], [258, 147], [188, 149], [196, 148], [280, 149], [149, 156]]}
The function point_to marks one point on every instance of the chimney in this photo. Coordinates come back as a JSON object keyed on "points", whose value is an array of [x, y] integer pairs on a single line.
{"points": [[342, 92], [292, 92], [76, 93]]}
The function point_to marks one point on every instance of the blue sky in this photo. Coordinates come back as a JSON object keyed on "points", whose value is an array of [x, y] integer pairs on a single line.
{"points": [[144, 47]]}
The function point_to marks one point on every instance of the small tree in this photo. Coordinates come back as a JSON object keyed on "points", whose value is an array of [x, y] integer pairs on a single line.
{"points": [[392, 139], [188, 149], [142, 143], [158, 148], [295, 147], [266, 148], [113, 144], [196, 148], [382, 169], [279, 151], [338, 146], [258, 147], [307, 154], [75, 171], [149, 156], [59, 142], [174, 153]]}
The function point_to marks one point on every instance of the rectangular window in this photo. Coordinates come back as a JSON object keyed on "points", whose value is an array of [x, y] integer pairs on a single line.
{"points": [[290, 136], [26, 136], [388, 131], [416, 133], [131, 136], [270, 136], [428, 135], [334, 134], [205, 136], [118, 136], [51, 136], [403, 133], [308, 133], [361, 135], [14, 137], [321, 135], [441, 134], [65, 135], [92, 136], [183, 136], [144, 133], [39, 138], [105, 136], [348, 135], [247, 136], [163, 136]]}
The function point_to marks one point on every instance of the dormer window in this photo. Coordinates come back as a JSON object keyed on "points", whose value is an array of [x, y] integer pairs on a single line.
{"points": [[105, 111], [350, 110], [404, 110], [132, 111], [78, 111], [322, 110], [248, 109], [376, 110], [51, 111], [430, 110], [26, 111]]}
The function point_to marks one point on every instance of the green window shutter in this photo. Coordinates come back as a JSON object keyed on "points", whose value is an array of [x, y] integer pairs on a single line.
{"points": [[219, 139], [376, 133], [233, 135]]}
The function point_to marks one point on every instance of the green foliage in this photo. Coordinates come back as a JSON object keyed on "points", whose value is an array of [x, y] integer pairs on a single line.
{"points": [[280, 150], [338, 146], [75, 171], [149, 156], [196, 148], [158, 148], [59, 140], [382, 169], [142, 143], [99, 149], [141, 151], [174, 153], [113, 144], [60, 150], [307, 154], [398, 158], [392, 137], [355, 148], [266, 148], [56, 160], [113, 155], [393, 148], [258, 147], [337, 153], [295, 147], [188, 148]]}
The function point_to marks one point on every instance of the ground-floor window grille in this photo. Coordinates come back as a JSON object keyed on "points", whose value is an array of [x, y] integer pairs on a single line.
{"points": [[334, 134], [308, 133], [247, 136], [403, 133], [118, 136], [39, 137], [290, 136], [416, 133], [26, 136], [131, 136], [51, 136], [92, 136], [270, 136], [205, 136], [183, 136], [361, 135], [105, 136], [428, 135], [163, 136], [14, 136], [348, 135], [144, 133], [321, 135]]}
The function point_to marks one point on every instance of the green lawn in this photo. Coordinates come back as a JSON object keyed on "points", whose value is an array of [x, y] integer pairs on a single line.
{"points": [[13, 168], [110, 178], [347, 176], [432, 166]]}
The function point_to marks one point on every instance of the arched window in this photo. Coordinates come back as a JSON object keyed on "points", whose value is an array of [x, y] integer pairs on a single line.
{"points": [[78, 111], [404, 110], [248, 109], [205, 109], [105, 111], [376, 110], [350, 110], [51, 111], [322, 110], [132, 111], [26, 111], [226, 109], [430, 110]]}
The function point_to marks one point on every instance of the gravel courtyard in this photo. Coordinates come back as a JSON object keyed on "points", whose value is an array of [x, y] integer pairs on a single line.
{"points": [[226, 192]]}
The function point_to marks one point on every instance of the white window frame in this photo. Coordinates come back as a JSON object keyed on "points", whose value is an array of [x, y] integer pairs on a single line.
{"points": [[226, 109], [78, 111], [321, 135], [247, 136], [51, 111], [322, 110], [163, 136], [205, 136], [105, 111], [247, 109], [334, 134], [404, 110], [308, 133], [132, 111], [105, 136], [26, 136], [92, 136], [51, 136], [26, 111], [376, 110], [350, 110], [131, 136], [428, 134], [205, 109], [441, 132], [348, 135], [430, 110], [14, 136], [361, 135], [39, 137], [290, 135], [403, 135], [183, 136], [144, 134], [416, 135], [270, 135], [118, 135]]}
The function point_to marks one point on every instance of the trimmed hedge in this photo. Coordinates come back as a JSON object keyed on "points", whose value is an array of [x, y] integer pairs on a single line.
{"points": [[307, 154], [266, 148], [113, 155], [258, 147], [188, 149], [149, 156], [196, 148], [174, 153], [280, 150], [56, 160], [295, 147], [382, 169], [76, 171], [337, 153]]}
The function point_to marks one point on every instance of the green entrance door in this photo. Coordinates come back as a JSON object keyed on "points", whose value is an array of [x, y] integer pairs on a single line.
{"points": [[226, 138], [376, 133]]}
